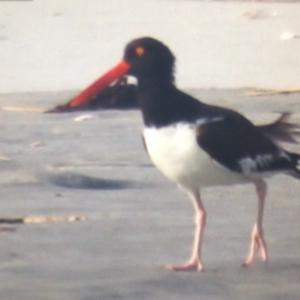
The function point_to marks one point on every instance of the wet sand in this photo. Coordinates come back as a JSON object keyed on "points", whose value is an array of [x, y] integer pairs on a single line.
{"points": [[137, 220]]}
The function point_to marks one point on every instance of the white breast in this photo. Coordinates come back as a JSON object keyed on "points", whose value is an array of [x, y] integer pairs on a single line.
{"points": [[175, 152]]}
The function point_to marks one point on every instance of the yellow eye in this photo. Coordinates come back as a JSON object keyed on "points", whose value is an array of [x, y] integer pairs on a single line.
{"points": [[140, 51]]}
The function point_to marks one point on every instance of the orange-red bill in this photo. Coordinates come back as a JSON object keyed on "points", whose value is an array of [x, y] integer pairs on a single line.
{"points": [[100, 84]]}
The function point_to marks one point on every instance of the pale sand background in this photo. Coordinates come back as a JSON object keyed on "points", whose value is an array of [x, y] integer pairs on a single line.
{"points": [[65, 44]]}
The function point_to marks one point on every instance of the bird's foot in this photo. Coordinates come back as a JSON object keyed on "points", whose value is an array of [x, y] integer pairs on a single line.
{"points": [[258, 246], [190, 266]]}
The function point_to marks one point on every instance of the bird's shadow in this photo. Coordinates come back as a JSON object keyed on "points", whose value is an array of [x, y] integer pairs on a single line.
{"points": [[79, 181]]}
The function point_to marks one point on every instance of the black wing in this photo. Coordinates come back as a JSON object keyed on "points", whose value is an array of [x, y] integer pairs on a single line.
{"points": [[237, 144]]}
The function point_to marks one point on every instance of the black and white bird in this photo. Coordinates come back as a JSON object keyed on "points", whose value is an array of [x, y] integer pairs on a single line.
{"points": [[198, 145]]}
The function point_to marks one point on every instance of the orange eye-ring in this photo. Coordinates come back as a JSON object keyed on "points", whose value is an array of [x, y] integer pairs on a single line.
{"points": [[140, 51]]}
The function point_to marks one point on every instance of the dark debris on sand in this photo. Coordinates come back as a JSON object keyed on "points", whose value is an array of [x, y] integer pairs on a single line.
{"points": [[120, 95]]}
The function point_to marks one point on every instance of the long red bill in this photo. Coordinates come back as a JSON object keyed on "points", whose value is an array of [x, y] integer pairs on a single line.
{"points": [[100, 84]]}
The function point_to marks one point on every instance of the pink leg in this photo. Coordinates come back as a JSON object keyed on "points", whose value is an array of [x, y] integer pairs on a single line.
{"points": [[195, 261], [257, 242]]}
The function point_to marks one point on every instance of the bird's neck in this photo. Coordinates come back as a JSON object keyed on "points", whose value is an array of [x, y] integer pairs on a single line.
{"points": [[153, 82], [161, 104]]}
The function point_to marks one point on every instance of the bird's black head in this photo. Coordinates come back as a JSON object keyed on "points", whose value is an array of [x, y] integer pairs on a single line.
{"points": [[145, 58], [149, 59]]}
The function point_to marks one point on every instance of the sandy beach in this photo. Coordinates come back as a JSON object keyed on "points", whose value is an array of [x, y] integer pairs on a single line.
{"points": [[83, 213], [57, 45], [136, 219]]}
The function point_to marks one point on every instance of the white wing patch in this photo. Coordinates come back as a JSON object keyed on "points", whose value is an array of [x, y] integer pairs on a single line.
{"points": [[203, 121], [261, 162], [249, 165], [298, 165]]}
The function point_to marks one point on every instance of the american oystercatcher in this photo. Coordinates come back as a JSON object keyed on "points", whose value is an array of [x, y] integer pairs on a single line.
{"points": [[198, 145]]}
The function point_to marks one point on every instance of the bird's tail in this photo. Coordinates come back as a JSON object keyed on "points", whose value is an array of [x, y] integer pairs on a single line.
{"points": [[295, 172], [281, 130]]}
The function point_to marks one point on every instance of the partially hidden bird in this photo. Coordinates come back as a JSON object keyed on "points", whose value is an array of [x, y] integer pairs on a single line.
{"points": [[197, 145]]}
